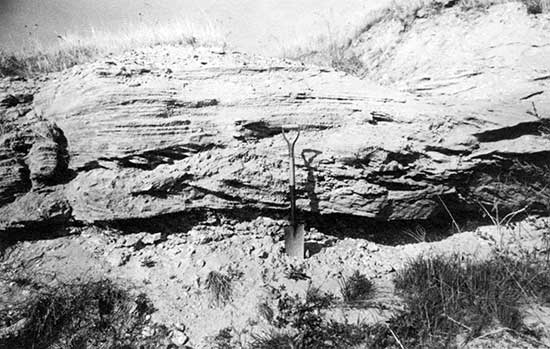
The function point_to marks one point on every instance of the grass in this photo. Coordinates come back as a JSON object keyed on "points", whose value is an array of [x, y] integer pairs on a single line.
{"points": [[356, 288], [449, 295], [418, 234], [275, 339], [72, 49], [220, 288], [81, 315]]}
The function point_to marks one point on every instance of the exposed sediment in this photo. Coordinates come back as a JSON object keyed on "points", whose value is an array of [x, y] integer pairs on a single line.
{"points": [[170, 130]]}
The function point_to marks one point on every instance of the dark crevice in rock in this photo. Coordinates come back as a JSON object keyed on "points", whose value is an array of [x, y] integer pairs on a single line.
{"points": [[209, 102], [238, 184], [21, 185], [508, 155], [151, 159], [264, 129], [392, 161], [512, 132], [396, 185], [36, 231], [337, 225], [467, 215], [404, 158], [9, 100], [172, 186], [448, 151], [512, 184], [235, 199]]}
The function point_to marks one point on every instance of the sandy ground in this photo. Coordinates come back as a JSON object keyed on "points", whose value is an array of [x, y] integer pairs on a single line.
{"points": [[172, 268]]}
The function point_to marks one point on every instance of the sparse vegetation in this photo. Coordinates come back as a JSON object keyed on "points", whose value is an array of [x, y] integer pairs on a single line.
{"points": [[275, 339], [296, 273], [76, 49], [418, 234], [332, 48], [537, 6], [448, 295], [302, 323], [223, 340], [356, 288], [220, 288], [148, 262], [82, 315], [265, 311]]}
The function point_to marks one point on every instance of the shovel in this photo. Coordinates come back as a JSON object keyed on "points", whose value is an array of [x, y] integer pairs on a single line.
{"points": [[294, 233]]}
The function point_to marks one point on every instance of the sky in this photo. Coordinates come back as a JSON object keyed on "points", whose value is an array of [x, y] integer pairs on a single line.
{"points": [[256, 26]]}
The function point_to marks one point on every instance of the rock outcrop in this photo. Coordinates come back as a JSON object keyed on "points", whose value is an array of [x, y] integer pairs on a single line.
{"points": [[169, 130]]}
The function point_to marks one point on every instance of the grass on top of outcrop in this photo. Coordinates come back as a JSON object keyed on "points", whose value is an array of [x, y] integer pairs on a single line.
{"points": [[332, 48], [72, 49]]}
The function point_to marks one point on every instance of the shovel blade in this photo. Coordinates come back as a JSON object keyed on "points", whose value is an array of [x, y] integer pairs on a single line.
{"points": [[294, 241]]}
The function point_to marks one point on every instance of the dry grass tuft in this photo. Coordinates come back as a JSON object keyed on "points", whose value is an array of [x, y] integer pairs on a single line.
{"points": [[356, 288], [73, 49], [220, 288]]}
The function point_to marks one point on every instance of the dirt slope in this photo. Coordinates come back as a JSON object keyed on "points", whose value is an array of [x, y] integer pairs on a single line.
{"points": [[498, 55]]}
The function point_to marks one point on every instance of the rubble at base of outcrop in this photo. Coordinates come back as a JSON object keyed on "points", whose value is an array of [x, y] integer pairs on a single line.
{"points": [[171, 130]]}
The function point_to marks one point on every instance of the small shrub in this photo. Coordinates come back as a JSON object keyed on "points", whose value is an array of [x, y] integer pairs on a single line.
{"points": [[356, 288], [87, 315], [535, 6], [319, 299], [346, 62], [220, 288], [223, 339], [307, 319], [275, 340], [148, 262]]}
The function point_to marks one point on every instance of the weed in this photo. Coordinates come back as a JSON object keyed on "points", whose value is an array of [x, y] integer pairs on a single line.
{"points": [[346, 62], [220, 288], [223, 340], [302, 323], [356, 288], [418, 234], [296, 273], [265, 311], [536, 6], [148, 262], [275, 340], [87, 315], [446, 295]]}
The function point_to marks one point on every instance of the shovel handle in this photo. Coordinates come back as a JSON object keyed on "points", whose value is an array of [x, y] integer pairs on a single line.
{"points": [[292, 185]]}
